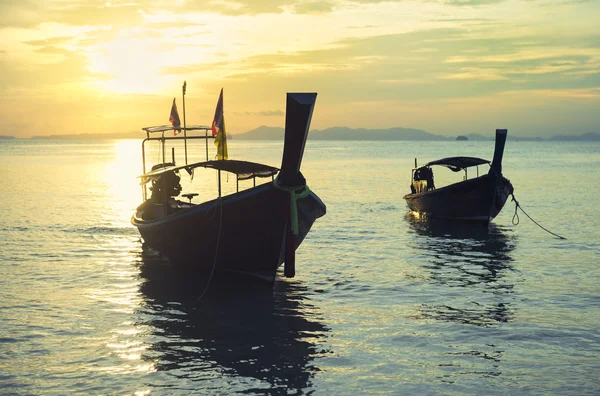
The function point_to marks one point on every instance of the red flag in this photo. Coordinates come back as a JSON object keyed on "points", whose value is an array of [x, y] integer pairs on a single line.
{"points": [[218, 119], [174, 119]]}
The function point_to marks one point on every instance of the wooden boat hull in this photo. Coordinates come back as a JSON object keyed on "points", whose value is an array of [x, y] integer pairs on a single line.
{"points": [[243, 232], [479, 199]]}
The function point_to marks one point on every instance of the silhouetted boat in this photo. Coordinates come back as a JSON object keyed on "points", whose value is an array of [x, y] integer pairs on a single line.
{"points": [[478, 199], [251, 231]]}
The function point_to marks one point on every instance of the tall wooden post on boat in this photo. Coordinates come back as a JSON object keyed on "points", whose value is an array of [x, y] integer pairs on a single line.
{"points": [[499, 151], [206, 140], [219, 173], [184, 126], [298, 114]]}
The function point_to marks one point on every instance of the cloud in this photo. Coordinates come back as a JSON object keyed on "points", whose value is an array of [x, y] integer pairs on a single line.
{"points": [[50, 49], [456, 63], [30, 13], [471, 3], [239, 7], [356, 54], [25, 13], [313, 7], [61, 40], [96, 13], [67, 68]]}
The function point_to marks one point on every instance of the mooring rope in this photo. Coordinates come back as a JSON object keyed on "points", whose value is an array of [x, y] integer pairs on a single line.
{"points": [[216, 248], [516, 216], [296, 193]]}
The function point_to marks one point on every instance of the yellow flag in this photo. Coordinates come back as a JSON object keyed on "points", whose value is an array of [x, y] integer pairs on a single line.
{"points": [[221, 141]]}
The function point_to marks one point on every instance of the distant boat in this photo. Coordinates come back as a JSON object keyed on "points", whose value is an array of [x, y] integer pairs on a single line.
{"points": [[461, 137], [479, 199], [249, 232]]}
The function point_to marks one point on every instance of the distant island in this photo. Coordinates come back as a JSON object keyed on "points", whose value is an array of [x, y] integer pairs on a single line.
{"points": [[113, 135], [394, 134], [585, 137], [6, 137], [345, 133], [339, 133]]}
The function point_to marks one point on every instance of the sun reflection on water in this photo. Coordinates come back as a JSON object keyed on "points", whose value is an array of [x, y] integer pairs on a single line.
{"points": [[124, 189], [119, 298]]}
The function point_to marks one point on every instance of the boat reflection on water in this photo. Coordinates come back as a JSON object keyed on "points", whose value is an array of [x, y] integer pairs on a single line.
{"points": [[261, 338], [476, 257]]}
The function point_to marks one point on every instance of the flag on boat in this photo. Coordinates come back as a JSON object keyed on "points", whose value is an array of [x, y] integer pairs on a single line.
{"points": [[174, 119], [218, 130]]}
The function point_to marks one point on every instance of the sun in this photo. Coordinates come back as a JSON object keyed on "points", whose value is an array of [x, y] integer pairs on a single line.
{"points": [[129, 65]]}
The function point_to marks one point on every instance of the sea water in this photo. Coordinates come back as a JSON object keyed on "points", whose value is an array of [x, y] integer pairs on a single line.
{"points": [[382, 303]]}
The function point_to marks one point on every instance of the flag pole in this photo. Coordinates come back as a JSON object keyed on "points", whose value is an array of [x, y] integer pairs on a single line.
{"points": [[184, 126]]}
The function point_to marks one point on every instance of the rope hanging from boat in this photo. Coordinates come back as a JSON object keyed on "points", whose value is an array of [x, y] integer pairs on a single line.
{"points": [[296, 193], [515, 219], [220, 200]]}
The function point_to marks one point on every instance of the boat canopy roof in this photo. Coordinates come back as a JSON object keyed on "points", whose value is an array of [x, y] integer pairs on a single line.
{"points": [[243, 169], [458, 163], [164, 128]]}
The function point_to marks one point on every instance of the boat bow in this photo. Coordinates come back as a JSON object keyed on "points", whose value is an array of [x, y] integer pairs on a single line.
{"points": [[299, 110]]}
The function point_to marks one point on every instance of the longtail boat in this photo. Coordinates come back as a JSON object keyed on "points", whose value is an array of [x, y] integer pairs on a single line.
{"points": [[477, 199], [252, 231]]}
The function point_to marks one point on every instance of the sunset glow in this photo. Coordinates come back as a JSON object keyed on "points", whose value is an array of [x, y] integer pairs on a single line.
{"points": [[458, 66]]}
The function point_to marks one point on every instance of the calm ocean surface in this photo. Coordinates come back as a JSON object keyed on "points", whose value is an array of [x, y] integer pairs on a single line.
{"points": [[381, 303]]}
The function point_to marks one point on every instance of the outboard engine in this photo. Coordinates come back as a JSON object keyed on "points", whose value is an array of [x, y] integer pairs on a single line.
{"points": [[425, 174], [165, 186]]}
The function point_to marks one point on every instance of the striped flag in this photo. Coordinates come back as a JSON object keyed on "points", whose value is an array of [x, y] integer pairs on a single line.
{"points": [[218, 130]]}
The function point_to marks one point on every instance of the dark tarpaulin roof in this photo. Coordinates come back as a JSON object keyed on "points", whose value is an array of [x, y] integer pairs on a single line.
{"points": [[243, 169], [459, 163]]}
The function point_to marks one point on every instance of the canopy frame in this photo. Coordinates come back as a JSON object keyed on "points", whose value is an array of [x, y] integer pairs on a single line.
{"points": [[244, 170], [455, 164], [152, 131]]}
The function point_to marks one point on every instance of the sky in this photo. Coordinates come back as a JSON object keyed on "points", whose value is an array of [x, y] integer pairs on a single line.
{"points": [[446, 66]]}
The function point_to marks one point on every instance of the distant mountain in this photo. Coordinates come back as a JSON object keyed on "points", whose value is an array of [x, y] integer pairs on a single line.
{"points": [[525, 139], [335, 133], [591, 136], [122, 135], [262, 133], [344, 133], [478, 137], [6, 137]]}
